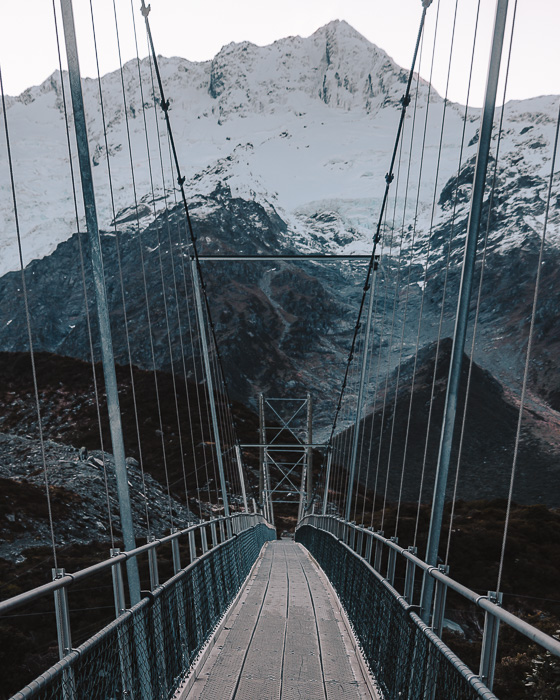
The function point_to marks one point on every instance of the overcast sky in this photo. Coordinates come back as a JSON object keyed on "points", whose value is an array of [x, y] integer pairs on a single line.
{"points": [[197, 31]]}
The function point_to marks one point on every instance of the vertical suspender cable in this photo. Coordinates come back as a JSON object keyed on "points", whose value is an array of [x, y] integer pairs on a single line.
{"points": [[473, 225], [426, 267], [28, 324], [445, 282], [528, 355], [84, 286], [479, 296], [389, 177], [144, 277], [101, 298]]}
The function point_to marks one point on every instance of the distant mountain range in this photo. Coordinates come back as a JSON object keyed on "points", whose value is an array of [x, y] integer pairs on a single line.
{"points": [[285, 148]]}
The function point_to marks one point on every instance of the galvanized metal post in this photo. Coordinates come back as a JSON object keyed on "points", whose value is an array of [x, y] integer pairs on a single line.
{"points": [[209, 384], [391, 562], [360, 540], [359, 406], [409, 577], [160, 659], [153, 565], [125, 656], [267, 489], [175, 553], [439, 602], [262, 433], [309, 460], [241, 477], [461, 321], [179, 600], [351, 535], [327, 480], [490, 642], [378, 552], [369, 546], [192, 546], [106, 342], [62, 616], [204, 539], [64, 635], [302, 488], [213, 533]]}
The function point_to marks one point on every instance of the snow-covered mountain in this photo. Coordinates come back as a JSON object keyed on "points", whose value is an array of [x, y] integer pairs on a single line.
{"points": [[286, 147], [306, 124]]}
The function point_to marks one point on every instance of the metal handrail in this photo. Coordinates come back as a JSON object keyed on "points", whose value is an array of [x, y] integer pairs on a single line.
{"points": [[67, 580], [67, 669], [482, 601]]}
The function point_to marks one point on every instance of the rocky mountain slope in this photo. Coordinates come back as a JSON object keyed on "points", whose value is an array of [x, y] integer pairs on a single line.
{"points": [[285, 148], [490, 426]]}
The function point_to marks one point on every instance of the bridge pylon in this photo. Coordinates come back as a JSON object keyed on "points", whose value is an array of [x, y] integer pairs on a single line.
{"points": [[285, 447]]}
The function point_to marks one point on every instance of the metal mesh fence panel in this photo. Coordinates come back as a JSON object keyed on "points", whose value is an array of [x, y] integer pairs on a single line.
{"points": [[147, 652], [406, 659]]}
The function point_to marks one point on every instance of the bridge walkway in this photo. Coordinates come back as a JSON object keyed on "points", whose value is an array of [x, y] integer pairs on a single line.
{"points": [[285, 638]]}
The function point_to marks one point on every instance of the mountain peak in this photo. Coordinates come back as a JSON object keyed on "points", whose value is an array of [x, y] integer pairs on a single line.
{"points": [[336, 65]]}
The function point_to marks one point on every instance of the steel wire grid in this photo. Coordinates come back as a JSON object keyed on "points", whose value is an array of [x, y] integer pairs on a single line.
{"points": [[147, 652], [405, 661]]}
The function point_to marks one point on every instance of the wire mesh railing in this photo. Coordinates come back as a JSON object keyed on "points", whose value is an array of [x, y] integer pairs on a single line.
{"points": [[406, 656], [148, 651]]}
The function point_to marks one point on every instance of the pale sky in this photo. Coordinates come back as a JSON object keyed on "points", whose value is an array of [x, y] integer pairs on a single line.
{"points": [[197, 31]]}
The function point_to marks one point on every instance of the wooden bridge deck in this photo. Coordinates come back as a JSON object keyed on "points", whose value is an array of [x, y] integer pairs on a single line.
{"points": [[284, 640]]}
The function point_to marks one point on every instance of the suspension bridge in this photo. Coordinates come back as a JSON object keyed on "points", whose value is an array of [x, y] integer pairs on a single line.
{"points": [[218, 606]]}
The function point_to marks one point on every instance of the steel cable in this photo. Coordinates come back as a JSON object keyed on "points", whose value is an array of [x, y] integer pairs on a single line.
{"points": [[121, 276], [388, 180], [528, 356], [426, 265], [445, 282], [84, 285], [479, 295], [28, 322]]}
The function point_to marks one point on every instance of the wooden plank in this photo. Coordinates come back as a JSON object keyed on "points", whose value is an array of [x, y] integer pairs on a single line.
{"points": [[285, 639]]}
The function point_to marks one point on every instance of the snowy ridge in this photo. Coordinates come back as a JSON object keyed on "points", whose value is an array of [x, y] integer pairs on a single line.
{"points": [[304, 126]]}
